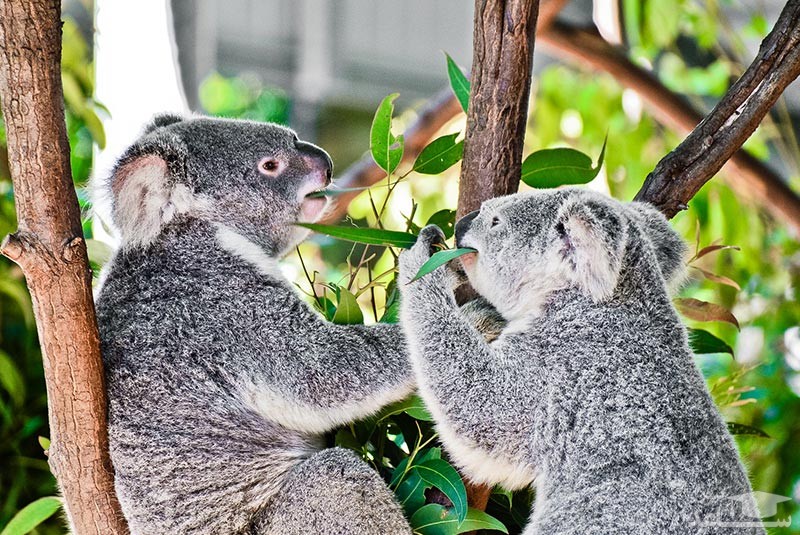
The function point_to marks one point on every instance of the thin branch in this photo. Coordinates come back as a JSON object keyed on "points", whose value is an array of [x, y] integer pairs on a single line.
{"points": [[749, 177], [436, 113], [680, 174]]}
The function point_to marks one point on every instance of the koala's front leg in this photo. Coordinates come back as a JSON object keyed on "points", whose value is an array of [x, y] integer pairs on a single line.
{"points": [[450, 355], [336, 374]]}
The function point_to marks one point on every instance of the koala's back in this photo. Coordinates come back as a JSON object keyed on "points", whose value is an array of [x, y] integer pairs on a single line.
{"points": [[181, 436], [632, 429]]}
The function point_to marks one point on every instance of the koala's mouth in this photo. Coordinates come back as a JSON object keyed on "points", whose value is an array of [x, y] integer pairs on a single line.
{"points": [[317, 193], [313, 199]]}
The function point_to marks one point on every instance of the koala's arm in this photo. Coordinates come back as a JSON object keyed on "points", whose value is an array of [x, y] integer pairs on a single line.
{"points": [[334, 374], [452, 359]]}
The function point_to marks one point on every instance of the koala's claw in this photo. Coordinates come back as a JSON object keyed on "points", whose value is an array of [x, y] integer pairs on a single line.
{"points": [[430, 240], [433, 236]]}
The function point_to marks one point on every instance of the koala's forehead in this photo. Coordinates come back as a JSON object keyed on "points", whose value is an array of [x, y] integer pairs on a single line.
{"points": [[213, 138], [531, 205]]}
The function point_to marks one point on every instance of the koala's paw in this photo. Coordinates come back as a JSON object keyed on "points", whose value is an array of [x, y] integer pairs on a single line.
{"points": [[430, 240]]}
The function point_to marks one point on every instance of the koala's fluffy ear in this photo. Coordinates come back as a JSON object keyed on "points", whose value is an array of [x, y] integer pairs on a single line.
{"points": [[148, 186], [593, 239], [668, 246], [162, 119]]}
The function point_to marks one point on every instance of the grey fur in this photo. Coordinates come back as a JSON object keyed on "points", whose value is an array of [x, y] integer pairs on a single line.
{"points": [[591, 392], [220, 379]]}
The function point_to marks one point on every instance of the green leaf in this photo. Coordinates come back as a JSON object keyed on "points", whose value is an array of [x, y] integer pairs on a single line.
{"points": [[412, 405], [445, 220], [506, 494], [550, 168], [387, 149], [458, 82], [32, 515], [345, 439], [18, 293], [44, 442], [371, 236], [73, 94], [440, 154], [325, 306], [704, 343], [95, 127], [347, 310], [440, 258], [742, 429], [444, 477], [411, 493], [11, 379], [434, 519], [420, 457]]}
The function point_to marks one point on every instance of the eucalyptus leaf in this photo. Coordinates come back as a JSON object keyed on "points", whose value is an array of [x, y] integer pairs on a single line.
{"points": [[704, 343], [11, 379], [435, 519], [412, 405], [440, 258], [742, 429], [371, 236], [458, 82], [445, 220], [439, 155], [32, 515], [444, 477], [550, 168], [386, 148], [411, 493], [347, 310]]}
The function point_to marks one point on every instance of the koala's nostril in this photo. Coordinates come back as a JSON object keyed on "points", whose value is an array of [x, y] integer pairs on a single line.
{"points": [[318, 154], [462, 226]]}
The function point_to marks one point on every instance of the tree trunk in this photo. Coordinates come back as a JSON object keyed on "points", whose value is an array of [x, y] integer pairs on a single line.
{"points": [[50, 249], [502, 57]]}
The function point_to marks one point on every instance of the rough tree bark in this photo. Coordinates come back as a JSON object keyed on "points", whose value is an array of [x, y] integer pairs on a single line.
{"points": [[680, 174], [50, 249], [502, 59]]}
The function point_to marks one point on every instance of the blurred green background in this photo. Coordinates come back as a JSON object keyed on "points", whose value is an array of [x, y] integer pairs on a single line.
{"points": [[759, 386]]}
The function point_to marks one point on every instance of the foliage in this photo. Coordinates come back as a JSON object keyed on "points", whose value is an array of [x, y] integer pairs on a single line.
{"points": [[243, 98], [753, 373]]}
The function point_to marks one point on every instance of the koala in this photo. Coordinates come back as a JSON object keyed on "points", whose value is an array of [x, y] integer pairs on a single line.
{"points": [[590, 393], [221, 381]]}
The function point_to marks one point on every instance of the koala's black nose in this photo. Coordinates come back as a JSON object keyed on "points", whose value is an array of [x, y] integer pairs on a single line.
{"points": [[318, 154], [463, 224]]}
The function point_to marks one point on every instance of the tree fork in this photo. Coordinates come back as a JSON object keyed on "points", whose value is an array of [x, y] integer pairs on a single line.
{"points": [[50, 248], [682, 172], [502, 59], [749, 177]]}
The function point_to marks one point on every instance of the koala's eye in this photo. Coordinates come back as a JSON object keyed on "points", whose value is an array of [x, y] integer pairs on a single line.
{"points": [[269, 166], [495, 221]]}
